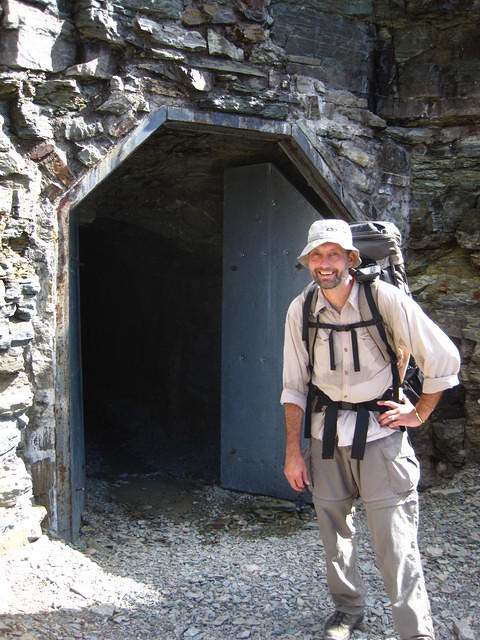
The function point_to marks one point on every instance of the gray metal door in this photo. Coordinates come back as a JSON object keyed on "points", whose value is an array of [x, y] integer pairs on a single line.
{"points": [[77, 439], [265, 226]]}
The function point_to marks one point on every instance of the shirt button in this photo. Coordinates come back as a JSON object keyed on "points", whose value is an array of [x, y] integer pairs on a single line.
{"points": [[345, 349], [346, 373], [345, 396]]}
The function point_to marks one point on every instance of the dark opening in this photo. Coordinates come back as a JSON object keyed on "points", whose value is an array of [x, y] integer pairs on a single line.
{"points": [[151, 353]]}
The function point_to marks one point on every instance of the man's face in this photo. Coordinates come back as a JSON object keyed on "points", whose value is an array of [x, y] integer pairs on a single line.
{"points": [[329, 264]]}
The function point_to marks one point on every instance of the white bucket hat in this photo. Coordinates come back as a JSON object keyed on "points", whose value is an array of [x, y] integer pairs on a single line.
{"points": [[322, 231]]}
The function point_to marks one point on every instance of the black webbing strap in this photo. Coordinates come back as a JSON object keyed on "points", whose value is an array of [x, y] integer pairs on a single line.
{"points": [[360, 434], [307, 429], [356, 358], [361, 423], [344, 327], [306, 312], [330, 430], [331, 348]]}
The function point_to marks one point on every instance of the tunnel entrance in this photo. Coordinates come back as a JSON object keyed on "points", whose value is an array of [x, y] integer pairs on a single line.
{"points": [[176, 267], [150, 324]]}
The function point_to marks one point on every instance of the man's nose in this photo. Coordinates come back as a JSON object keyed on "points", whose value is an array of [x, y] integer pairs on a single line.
{"points": [[323, 262]]}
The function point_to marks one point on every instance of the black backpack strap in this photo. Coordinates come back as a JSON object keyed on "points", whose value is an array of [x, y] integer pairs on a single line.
{"points": [[307, 305], [353, 334], [306, 310], [330, 431], [307, 425], [360, 434], [323, 403], [381, 330]]}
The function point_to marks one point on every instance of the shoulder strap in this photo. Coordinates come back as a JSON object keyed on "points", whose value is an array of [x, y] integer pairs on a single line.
{"points": [[369, 294], [309, 339], [368, 305], [401, 351], [307, 307]]}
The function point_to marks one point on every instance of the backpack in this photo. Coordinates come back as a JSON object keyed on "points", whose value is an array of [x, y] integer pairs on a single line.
{"points": [[380, 247], [379, 244]]}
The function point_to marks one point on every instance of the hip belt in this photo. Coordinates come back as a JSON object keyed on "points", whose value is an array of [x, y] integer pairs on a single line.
{"points": [[321, 401]]}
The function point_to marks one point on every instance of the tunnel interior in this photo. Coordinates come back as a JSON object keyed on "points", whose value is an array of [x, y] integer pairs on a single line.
{"points": [[151, 350], [150, 266]]}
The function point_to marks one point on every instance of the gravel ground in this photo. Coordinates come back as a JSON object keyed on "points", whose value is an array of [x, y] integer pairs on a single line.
{"points": [[162, 559]]}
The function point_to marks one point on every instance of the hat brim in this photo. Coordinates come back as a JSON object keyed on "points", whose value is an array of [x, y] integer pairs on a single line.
{"points": [[302, 258]]}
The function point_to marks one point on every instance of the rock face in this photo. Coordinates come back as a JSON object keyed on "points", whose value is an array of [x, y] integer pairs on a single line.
{"points": [[386, 93], [35, 37]]}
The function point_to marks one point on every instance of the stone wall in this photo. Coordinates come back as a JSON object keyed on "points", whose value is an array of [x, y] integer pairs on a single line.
{"points": [[387, 92], [428, 90]]}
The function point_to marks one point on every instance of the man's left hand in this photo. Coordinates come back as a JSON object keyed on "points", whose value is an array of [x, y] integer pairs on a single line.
{"points": [[400, 414]]}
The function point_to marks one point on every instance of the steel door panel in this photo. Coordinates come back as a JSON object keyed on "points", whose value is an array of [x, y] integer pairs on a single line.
{"points": [[265, 226]]}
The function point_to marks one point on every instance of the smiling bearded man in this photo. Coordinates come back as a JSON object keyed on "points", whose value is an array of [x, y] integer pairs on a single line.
{"points": [[350, 377]]}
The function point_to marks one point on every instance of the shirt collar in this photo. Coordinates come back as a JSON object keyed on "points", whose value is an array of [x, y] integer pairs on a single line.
{"points": [[352, 300]]}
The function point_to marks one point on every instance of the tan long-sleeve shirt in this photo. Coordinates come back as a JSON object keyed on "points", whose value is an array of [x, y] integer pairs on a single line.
{"points": [[434, 352]]}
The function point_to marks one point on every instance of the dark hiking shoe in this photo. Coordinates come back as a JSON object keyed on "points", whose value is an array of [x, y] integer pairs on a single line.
{"points": [[340, 625]]}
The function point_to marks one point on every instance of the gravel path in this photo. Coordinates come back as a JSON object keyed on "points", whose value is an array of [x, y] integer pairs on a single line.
{"points": [[163, 560]]}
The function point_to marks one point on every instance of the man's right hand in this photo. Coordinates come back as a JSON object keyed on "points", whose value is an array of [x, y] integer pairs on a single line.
{"points": [[296, 471]]}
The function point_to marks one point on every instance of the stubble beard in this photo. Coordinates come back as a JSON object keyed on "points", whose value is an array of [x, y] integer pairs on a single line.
{"points": [[337, 278]]}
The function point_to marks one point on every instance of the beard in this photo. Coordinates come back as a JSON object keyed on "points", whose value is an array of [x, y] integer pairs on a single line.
{"points": [[331, 281]]}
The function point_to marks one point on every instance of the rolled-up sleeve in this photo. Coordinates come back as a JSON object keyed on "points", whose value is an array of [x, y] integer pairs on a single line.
{"points": [[295, 359], [435, 354]]}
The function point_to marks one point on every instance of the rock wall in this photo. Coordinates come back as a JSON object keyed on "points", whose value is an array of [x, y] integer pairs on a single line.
{"points": [[428, 91], [387, 92]]}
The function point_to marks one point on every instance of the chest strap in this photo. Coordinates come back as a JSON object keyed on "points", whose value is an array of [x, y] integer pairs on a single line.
{"points": [[344, 327], [322, 401]]}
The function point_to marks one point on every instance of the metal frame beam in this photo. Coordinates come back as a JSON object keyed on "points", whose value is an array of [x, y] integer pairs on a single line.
{"points": [[294, 139]]}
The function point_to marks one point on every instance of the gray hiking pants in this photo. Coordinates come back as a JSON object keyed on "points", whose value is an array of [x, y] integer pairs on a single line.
{"points": [[386, 480]]}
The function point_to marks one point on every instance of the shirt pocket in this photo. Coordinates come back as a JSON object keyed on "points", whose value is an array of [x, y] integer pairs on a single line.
{"points": [[322, 346], [403, 469], [368, 348]]}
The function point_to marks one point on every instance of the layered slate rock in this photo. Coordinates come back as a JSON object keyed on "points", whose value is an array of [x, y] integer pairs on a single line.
{"points": [[429, 64], [335, 46], [386, 93], [35, 37]]}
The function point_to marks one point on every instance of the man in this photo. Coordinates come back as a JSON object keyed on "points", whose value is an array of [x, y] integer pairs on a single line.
{"points": [[386, 477]]}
